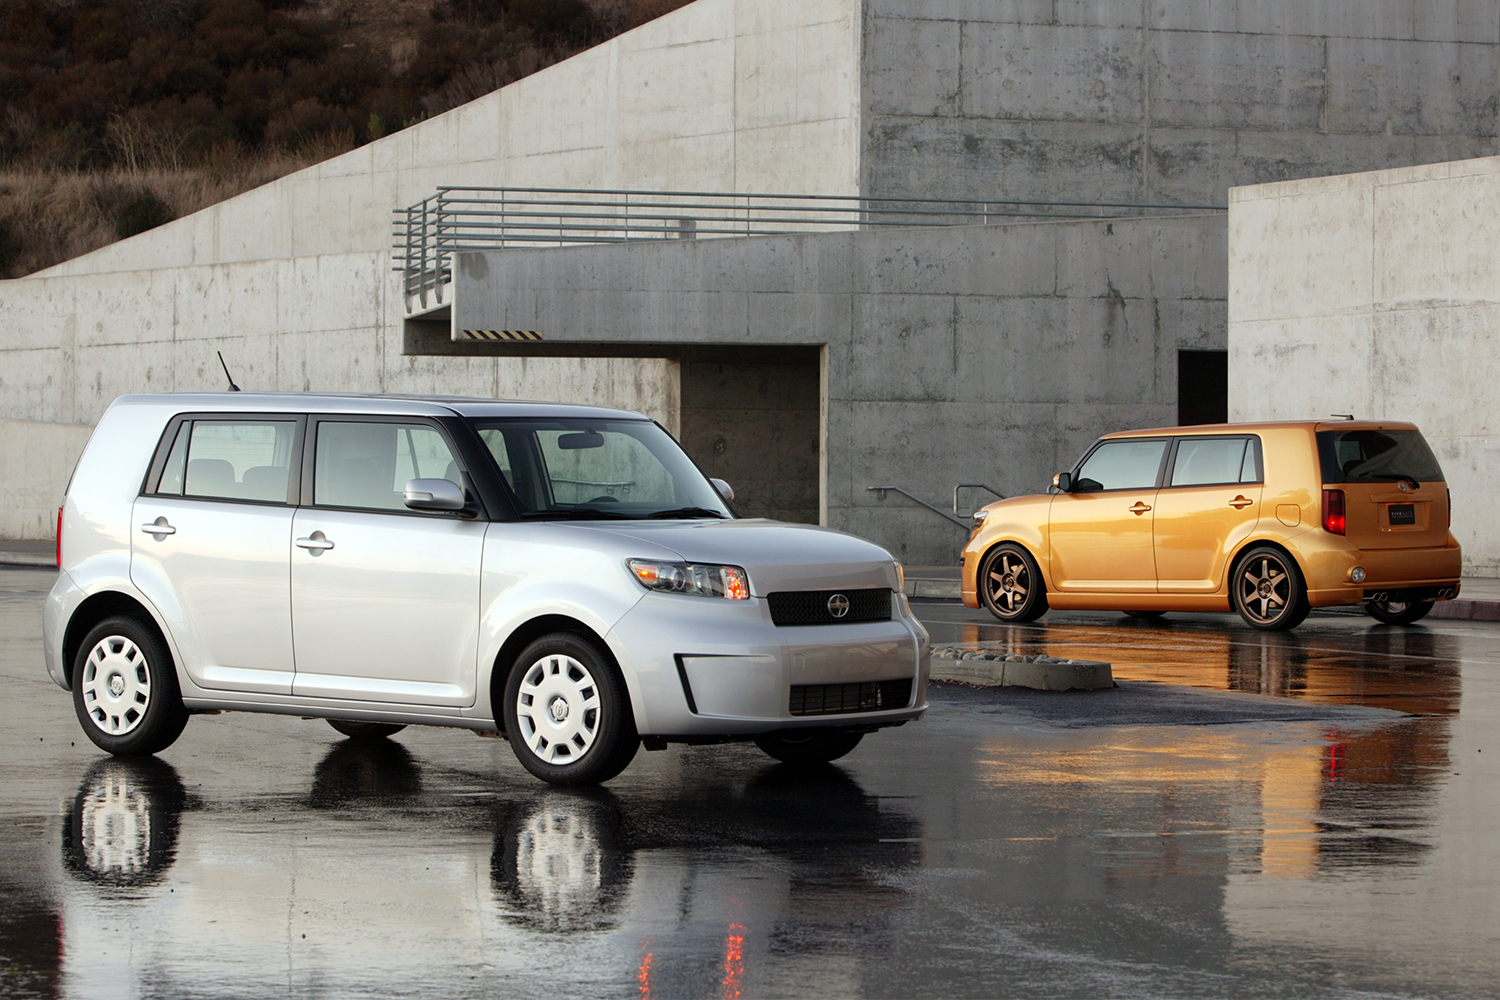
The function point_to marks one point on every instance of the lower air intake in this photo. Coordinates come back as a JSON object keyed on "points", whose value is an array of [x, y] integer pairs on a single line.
{"points": [[838, 699]]}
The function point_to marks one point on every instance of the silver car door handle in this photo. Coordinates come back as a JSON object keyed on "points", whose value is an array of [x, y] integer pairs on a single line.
{"points": [[317, 542], [160, 527]]}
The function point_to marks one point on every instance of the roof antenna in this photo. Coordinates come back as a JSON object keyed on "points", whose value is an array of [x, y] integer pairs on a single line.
{"points": [[1346, 416], [232, 386]]}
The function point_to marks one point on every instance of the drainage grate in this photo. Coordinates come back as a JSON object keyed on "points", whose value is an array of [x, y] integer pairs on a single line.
{"points": [[811, 607], [836, 699]]}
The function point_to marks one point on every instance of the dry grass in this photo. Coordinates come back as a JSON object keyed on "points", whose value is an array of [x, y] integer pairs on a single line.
{"points": [[50, 217], [50, 211]]}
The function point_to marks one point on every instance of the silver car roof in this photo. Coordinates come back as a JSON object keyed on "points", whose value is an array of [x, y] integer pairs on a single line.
{"points": [[400, 405]]}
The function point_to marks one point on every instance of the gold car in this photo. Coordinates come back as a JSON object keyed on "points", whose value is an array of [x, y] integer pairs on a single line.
{"points": [[1269, 519]]}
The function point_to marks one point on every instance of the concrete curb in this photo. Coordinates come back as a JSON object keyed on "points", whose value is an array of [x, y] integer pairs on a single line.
{"points": [[1038, 673], [949, 590], [1474, 611]]}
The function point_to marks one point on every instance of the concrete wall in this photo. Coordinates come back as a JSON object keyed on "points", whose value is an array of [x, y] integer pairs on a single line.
{"points": [[319, 324], [1168, 100], [1378, 294], [754, 418], [292, 280], [36, 460], [720, 95], [978, 354]]}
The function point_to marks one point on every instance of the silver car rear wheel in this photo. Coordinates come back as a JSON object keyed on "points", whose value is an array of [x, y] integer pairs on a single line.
{"points": [[116, 685]]}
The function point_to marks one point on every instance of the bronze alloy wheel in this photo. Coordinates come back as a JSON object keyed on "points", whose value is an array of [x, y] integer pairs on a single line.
{"points": [[1268, 590], [1011, 586]]}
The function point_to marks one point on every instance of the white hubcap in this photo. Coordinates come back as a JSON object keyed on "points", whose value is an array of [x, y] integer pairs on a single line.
{"points": [[557, 713], [116, 685]]}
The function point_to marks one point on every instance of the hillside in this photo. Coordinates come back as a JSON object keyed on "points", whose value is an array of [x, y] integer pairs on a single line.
{"points": [[118, 115]]}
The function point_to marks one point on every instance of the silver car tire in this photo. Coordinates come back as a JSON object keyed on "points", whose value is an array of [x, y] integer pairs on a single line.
{"points": [[125, 689], [567, 713]]}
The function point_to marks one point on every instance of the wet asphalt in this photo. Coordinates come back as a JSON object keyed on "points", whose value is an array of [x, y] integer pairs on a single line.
{"points": [[1312, 814]]}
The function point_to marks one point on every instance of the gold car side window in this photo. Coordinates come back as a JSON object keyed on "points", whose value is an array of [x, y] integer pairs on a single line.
{"points": [[1129, 464], [1210, 461]]}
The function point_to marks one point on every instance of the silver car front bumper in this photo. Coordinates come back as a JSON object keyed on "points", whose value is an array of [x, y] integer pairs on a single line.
{"points": [[704, 668]]}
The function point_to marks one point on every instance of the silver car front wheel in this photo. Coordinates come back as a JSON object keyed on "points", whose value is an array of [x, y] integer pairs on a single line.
{"points": [[567, 713], [557, 709]]}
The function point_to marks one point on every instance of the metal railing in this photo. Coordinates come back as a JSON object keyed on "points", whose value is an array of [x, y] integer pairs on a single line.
{"points": [[973, 489], [457, 219], [880, 492]]}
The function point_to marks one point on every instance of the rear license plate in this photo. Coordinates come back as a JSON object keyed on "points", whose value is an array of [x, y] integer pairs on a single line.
{"points": [[1403, 513]]}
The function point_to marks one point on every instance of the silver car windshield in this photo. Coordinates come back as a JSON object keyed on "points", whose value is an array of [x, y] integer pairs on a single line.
{"points": [[597, 468]]}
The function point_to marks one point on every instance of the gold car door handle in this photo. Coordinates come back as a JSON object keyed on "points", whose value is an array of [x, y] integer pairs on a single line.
{"points": [[1139, 508], [1240, 503]]}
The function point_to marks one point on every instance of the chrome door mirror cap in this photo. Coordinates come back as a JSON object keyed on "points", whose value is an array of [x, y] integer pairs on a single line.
{"points": [[725, 490], [433, 494]]}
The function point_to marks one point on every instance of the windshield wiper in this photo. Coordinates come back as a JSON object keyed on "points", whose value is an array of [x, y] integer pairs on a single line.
{"points": [[1395, 477], [687, 512], [575, 514]]}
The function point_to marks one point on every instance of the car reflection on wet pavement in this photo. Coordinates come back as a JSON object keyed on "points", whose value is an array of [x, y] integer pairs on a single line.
{"points": [[1181, 835]]}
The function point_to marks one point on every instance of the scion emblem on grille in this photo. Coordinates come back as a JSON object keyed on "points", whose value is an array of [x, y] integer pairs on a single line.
{"points": [[838, 605]]}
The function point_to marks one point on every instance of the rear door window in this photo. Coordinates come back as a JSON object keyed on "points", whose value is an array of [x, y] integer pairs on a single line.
{"points": [[1377, 456], [1130, 464], [230, 460], [1214, 461]]}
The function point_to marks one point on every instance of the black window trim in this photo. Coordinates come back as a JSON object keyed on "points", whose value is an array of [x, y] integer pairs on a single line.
{"points": [[1161, 468], [180, 420], [1260, 468], [444, 427]]}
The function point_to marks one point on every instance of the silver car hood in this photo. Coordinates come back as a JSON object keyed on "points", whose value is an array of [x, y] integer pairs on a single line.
{"points": [[777, 555]]}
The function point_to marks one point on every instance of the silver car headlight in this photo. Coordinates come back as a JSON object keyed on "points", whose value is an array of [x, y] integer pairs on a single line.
{"points": [[698, 579]]}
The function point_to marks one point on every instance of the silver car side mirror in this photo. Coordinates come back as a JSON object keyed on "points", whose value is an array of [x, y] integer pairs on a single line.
{"points": [[433, 494], [725, 490]]}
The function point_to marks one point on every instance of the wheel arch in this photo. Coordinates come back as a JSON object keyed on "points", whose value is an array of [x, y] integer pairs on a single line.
{"points": [[1233, 563], [525, 634], [1033, 549], [96, 608]]}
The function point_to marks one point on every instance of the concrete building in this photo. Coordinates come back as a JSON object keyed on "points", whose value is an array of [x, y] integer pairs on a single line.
{"points": [[1378, 294], [804, 368]]}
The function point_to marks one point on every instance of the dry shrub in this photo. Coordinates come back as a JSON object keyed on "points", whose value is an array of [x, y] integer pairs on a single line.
{"points": [[49, 217], [173, 105]]}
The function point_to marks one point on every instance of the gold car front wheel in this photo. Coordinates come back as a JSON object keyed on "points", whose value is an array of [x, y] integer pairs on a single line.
{"points": [[1268, 591], [1010, 585]]}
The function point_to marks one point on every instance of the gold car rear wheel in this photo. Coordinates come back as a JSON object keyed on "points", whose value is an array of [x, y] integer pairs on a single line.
{"points": [[1268, 591], [1397, 612], [1010, 585]]}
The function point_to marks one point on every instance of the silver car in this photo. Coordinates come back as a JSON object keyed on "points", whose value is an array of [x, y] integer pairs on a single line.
{"points": [[562, 575]]}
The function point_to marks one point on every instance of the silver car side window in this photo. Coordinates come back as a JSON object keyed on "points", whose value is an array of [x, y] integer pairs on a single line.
{"points": [[236, 459], [366, 464]]}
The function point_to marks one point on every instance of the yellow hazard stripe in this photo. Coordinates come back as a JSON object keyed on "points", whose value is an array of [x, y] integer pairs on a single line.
{"points": [[502, 334]]}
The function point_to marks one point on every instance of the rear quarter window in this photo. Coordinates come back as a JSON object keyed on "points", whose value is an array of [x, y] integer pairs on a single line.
{"points": [[1377, 456]]}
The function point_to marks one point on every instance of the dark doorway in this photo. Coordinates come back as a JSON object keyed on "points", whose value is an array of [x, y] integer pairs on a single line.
{"points": [[1202, 387], [753, 418]]}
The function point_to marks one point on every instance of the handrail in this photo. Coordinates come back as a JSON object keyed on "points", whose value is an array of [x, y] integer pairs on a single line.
{"points": [[458, 219], [940, 512], [972, 486]]}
